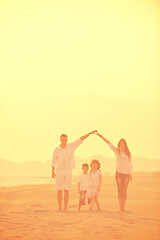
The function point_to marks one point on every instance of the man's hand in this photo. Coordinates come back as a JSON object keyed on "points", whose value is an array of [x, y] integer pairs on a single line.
{"points": [[87, 135], [130, 178], [53, 175]]}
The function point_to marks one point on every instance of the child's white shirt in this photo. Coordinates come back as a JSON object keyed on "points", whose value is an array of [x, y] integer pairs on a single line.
{"points": [[83, 179], [94, 178]]}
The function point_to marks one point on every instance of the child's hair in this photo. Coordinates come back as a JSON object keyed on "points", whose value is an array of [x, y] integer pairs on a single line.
{"points": [[97, 162], [85, 165]]}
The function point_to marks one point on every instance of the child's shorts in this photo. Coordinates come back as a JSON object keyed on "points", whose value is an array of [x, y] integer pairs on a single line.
{"points": [[82, 198]]}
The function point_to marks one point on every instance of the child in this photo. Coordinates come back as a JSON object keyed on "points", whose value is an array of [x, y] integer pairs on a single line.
{"points": [[94, 186], [83, 185]]}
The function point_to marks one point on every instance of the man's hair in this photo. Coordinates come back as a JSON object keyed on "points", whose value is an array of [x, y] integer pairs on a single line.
{"points": [[85, 165], [63, 135]]}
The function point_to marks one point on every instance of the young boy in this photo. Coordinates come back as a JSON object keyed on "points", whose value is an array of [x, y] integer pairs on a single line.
{"points": [[83, 185]]}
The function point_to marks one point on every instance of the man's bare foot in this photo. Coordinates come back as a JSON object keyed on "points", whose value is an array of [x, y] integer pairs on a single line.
{"points": [[122, 210], [65, 210]]}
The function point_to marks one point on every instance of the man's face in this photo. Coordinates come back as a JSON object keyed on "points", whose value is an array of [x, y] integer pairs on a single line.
{"points": [[63, 140]]}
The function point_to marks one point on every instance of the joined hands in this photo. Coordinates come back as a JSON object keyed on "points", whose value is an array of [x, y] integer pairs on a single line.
{"points": [[97, 133]]}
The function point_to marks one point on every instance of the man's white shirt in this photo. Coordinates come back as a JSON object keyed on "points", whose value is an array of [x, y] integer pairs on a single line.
{"points": [[63, 158]]}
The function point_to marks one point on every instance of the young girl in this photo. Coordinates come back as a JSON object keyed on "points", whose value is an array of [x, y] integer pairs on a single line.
{"points": [[95, 182]]}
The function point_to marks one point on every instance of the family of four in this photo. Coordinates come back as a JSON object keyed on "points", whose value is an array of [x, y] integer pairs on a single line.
{"points": [[89, 184]]}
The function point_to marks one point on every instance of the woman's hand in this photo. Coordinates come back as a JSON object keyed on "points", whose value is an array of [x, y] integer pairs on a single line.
{"points": [[97, 133], [130, 178]]}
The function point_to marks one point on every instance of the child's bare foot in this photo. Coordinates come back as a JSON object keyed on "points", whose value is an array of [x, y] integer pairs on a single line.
{"points": [[60, 210], [90, 209]]}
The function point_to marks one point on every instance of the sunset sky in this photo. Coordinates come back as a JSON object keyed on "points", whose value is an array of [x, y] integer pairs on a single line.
{"points": [[75, 66]]}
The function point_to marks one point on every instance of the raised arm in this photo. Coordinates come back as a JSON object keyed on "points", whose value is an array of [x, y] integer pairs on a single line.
{"points": [[87, 135], [104, 139], [107, 141]]}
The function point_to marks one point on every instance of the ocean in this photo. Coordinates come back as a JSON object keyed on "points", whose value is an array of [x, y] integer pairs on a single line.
{"points": [[8, 181]]}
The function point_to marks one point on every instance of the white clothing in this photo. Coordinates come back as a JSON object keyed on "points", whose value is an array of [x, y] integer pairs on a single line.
{"points": [[63, 158], [63, 181], [83, 179], [124, 163], [93, 186]]}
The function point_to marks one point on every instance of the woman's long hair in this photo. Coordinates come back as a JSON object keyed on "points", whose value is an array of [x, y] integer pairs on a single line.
{"points": [[126, 149]]}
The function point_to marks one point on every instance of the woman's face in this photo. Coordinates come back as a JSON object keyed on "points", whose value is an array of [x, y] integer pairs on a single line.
{"points": [[122, 145], [94, 166]]}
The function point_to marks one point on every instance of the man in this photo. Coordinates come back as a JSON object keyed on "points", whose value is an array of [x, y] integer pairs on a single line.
{"points": [[63, 161]]}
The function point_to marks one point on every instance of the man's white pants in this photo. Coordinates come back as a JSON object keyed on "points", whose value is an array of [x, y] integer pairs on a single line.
{"points": [[63, 180]]}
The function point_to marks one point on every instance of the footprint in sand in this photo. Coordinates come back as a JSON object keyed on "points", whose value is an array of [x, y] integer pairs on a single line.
{"points": [[117, 236], [3, 215], [42, 211], [36, 205], [72, 206]]}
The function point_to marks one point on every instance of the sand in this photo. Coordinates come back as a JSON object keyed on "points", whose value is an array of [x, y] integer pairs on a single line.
{"points": [[30, 212]]}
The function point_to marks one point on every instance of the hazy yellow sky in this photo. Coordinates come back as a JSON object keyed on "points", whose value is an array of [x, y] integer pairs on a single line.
{"points": [[75, 66]]}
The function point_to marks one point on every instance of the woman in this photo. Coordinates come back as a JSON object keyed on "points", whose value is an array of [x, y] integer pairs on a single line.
{"points": [[123, 169]]}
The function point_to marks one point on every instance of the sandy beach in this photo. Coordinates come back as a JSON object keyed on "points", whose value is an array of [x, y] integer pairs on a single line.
{"points": [[30, 212]]}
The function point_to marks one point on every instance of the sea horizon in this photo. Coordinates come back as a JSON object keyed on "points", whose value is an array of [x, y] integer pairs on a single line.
{"points": [[12, 181]]}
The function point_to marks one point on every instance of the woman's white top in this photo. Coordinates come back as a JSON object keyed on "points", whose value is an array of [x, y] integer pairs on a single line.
{"points": [[124, 163]]}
